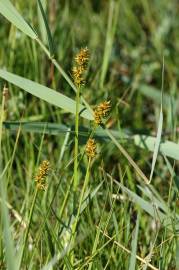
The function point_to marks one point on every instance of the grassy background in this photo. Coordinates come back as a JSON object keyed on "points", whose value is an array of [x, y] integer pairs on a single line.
{"points": [[127, 42]]}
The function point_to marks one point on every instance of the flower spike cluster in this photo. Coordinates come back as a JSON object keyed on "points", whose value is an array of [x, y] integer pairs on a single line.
{"points": [[42, 174], [82, 57], [81, 60], [91, 148], [101, 112], [78, 75]]}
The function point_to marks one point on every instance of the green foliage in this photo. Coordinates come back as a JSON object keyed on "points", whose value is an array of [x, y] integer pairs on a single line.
{"points": [[114, 218]]}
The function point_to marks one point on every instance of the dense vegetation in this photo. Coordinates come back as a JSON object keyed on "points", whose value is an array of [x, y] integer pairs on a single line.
{"points": [[112, 204]]}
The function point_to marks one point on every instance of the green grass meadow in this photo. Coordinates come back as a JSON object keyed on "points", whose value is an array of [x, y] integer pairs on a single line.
{"points": [[119, 209]]}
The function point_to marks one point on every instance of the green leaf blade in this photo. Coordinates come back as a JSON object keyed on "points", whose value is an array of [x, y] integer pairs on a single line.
{"points": [[132, 264], [49, 35], [45, 93], [12, 15], [167, 148]]}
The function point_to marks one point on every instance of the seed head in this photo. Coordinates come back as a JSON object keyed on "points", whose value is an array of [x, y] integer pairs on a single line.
{"points": [[104, 108], [82, 57], [42, 174], [97, 117], [91, 148], [102, 111], [77, 73]]}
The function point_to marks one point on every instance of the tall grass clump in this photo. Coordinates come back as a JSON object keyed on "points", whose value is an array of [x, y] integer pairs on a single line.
{"points": [[89, 137]]}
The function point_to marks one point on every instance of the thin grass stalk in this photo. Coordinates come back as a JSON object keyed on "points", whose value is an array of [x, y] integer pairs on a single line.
{"points": [[1, 129], [66, 198], [97, 237], [1, 167], [5, 230], [28, 227], [75, 183], [85, 184]]}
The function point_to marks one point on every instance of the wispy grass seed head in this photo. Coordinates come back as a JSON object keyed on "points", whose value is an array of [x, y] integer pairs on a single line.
{"points": [[77, 73], [91, 148], [41, 175], [102, 111], [82, 57], [81, 60]]}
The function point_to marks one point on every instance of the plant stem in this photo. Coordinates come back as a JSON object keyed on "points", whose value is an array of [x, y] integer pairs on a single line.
{"points": [[28, 228], [76, 180], [82, 192], [75, 183], [1, 124], [85, 184]]}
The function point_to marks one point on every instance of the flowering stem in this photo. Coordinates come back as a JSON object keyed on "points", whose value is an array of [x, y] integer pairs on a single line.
{"points": [[85, 184], [109, 134], [75, 183], [63, 73]]}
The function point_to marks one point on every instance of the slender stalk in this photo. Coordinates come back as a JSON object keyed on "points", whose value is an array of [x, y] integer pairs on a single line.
{"points": [[1, 124], [66, 199], [82, 193], [75, 181], [85, 184], [28, 227], [7, 244], [75, 185]]}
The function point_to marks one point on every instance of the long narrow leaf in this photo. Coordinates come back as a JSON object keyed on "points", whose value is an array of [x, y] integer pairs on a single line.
{"points": [[7, 236], [45, 93], [167, 148], [149, 207], [49, 35], [159, 131], [177, 254], [134, 246], [12, 15]]}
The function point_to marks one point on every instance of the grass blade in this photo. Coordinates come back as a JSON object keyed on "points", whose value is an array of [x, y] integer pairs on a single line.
{"points": [[177, 254], [12, 15], [85, 203], [134, 246], [149, 207], [7, 236], [45, 93], [43, 32], [157, 143], [167, 148], [111, 29], [154, 94], [159, 131], [49, 35]]}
